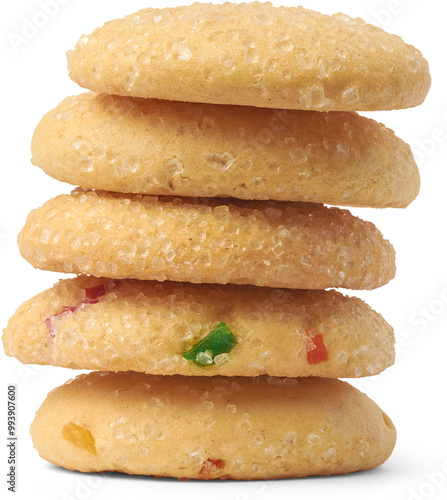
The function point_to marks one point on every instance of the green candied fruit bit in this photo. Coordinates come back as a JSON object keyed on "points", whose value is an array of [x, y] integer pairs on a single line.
{"points": [[220, 340]]}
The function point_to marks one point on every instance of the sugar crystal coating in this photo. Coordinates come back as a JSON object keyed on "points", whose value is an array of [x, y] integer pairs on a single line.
{"points": [[291, 245], [293, 59], [319, 426]]}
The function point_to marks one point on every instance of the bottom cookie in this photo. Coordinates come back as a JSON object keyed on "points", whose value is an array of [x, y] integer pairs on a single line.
{"points": [[211, 427]]}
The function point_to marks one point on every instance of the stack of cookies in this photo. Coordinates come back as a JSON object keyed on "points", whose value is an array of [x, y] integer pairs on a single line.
{"points": [[210, 140]]}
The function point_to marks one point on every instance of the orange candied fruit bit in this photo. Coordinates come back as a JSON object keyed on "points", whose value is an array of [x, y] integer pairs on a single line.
{"points": [[80, 436]]}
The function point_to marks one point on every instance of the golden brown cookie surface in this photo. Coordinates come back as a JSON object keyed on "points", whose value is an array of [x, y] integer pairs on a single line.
{"points": [[252, 54], [188, 149], [212, 427], [101, 324], [275, 244]]}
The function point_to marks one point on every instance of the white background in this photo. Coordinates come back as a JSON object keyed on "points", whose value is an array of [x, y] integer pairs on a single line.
{"points": [[34, 80]]}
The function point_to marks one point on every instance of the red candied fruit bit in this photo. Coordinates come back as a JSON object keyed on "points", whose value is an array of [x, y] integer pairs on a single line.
{"points": [[212, 468], [316, 348], [92, 295], [66, 311]]}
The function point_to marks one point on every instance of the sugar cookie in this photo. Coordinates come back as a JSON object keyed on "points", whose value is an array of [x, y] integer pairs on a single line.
{"points": [[252, 54], [188, 149], [276, 244], [211, 427], [145, 326]]}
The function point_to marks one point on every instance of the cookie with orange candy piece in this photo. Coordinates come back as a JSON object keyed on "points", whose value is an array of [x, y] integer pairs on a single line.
{"points": [[211, 427]]}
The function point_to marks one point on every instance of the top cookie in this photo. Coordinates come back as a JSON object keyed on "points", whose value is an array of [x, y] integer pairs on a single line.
{"points": [[252, 54]]}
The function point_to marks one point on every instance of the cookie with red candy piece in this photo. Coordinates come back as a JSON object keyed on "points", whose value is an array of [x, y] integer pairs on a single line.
{"points": [[145, 326], [211, 427]]}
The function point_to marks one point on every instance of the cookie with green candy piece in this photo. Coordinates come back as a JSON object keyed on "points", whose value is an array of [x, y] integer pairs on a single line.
{"points": [[180, 328]]}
